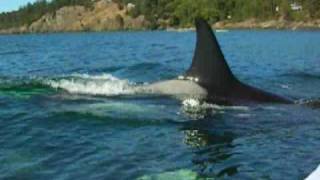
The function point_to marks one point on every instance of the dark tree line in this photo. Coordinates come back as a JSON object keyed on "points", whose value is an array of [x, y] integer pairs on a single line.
{"points": [[179, 12]]}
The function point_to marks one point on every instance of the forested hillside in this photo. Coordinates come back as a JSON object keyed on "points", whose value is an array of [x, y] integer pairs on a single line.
{"points": [[183, 12], [179, 13]]}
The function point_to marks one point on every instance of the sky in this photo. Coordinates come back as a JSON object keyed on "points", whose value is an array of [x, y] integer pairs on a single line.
{"points": [[10, 5]]}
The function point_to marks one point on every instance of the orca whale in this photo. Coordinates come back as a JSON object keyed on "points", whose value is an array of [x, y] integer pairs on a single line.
{"points": [[210, 77]]}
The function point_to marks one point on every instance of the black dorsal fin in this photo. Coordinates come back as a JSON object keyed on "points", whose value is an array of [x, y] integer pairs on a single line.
{"points": [[209, 64]]}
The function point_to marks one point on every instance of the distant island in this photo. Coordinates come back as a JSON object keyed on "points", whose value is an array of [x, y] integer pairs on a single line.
{"points": [[110, 15]]}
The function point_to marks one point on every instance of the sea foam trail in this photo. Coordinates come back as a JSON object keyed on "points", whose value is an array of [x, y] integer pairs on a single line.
{"points": [[195, 103], [108, 85], [196, 109], [104, 84]]}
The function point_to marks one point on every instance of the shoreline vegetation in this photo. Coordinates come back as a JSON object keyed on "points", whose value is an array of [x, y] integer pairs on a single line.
{"points": [[172, 15]]}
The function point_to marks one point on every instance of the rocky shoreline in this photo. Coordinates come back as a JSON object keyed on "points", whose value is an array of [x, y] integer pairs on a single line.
{"points": [[270, 24], [103, 16], [110, 16]]}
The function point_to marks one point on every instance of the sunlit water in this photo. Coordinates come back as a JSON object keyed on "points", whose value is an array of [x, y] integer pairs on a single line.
{"points": [[70, 108]]}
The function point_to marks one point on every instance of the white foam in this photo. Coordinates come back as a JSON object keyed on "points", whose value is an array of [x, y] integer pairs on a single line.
{"points": [[196, 109], [191, 102], [196, 103], [104, 84], [97, 77]]}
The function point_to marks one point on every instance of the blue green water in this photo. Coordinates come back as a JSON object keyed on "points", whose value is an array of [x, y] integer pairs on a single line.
{"points": [[68, 109]]}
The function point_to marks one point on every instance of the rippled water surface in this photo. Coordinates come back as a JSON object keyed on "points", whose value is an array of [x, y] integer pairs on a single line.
{"points": [[69, 108]]}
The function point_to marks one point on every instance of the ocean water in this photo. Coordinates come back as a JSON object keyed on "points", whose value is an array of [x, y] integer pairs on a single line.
{"points": [[69, 108]]}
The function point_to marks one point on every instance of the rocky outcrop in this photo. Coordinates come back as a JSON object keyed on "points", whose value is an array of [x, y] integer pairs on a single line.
{"points": [[271, 24], [105, 15]]}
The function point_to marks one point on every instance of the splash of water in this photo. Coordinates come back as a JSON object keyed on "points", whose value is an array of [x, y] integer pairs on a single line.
{"points": [[104, 84], [196, 109]]}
